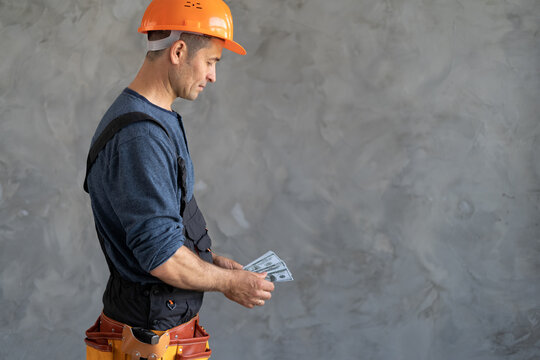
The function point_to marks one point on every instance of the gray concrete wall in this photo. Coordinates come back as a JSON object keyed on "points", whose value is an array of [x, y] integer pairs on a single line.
{"points": [[388, 151]]}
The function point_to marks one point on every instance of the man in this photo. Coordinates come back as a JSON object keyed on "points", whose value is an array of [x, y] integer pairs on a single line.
{"points": [[140, 180]]}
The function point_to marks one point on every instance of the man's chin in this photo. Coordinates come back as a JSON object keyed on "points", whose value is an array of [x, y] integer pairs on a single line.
{"points": [[190, 97]]}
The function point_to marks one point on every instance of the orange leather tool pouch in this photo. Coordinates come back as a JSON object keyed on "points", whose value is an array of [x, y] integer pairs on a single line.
{"points": [[99, 338], [194, 347], [184, 342]]}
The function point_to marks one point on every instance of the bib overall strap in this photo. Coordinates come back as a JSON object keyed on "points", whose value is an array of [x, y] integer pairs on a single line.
{"points": [[115, 126]]}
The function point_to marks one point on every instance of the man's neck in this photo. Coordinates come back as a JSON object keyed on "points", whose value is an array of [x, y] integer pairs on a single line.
{"points": [[152, 83]]}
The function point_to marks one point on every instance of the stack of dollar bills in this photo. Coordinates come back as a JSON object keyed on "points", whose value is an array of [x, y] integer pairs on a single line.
{"points": [[270, 263]]}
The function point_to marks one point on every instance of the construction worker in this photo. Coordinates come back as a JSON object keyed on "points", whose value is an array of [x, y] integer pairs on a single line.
{"points": [[140, 180]]}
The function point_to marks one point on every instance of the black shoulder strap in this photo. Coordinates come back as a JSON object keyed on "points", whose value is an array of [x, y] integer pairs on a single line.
{"points": [[115, 126]]}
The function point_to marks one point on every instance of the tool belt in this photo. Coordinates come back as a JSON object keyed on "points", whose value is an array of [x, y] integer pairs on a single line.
{"points": [[108, 339]]}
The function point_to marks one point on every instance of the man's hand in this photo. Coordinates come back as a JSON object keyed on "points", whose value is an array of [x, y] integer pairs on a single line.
{"points": [[248, 288], [226, 263], [186, 270]]}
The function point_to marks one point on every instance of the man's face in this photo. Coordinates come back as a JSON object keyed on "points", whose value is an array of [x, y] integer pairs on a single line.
{"points": [[195, 73]]}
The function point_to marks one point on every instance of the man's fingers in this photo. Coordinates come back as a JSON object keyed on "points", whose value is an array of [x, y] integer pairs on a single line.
{"points": [[264, 285], [267, 286], [237, 266], [257, 302], [264, 295]]}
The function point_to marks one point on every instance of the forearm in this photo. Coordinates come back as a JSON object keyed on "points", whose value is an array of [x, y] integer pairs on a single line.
{"points": [[188, 271]]}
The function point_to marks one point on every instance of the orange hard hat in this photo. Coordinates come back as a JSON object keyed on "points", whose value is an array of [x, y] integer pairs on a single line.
{"points": [[208, 17]]}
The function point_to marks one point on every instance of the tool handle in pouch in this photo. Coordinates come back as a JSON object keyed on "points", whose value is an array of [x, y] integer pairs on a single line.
{"points": [[150, 348], [145, 336]]}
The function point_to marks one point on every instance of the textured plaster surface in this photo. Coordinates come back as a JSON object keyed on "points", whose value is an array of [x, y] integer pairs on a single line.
{"points": [[388, 151]]}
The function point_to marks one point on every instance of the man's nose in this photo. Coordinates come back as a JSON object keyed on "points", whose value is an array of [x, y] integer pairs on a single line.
{"points": [[212, 74]]}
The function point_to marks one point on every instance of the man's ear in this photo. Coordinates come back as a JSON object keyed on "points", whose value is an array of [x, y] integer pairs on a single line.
{"points": [[177, 52]]}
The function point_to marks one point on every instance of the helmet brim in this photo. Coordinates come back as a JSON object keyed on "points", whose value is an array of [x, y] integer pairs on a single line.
{"points": [[234, 47]]}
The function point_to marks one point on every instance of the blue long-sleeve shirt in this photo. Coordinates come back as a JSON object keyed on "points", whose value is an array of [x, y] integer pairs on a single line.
{"points": [[134, 188]]}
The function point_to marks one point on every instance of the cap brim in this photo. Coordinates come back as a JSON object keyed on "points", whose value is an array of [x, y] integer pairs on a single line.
{"points": [[234, 47]]}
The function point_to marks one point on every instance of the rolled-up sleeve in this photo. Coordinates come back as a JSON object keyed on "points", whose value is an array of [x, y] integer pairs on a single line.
{"points": [[141, 182]]}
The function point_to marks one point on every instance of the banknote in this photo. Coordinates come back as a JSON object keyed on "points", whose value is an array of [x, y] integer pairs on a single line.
{"points": [[279, 275], [275, 267], [267, 260], [246, 267], [270, 263]]}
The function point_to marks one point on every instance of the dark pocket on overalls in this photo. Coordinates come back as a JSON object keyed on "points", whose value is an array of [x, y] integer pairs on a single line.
{"points": [[195, 230]]}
